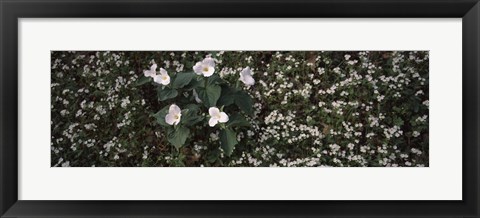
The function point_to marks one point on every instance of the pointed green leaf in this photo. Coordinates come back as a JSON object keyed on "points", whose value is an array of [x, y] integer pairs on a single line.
{"points": [[160, 116], [179, 136], [228, 140], [143, 80], [182, 79], [194, 83], [192, 107], [244, 102], [237, 120], [210, 94], [190, 115], [215, 79], [227, 96], [166, 93]]}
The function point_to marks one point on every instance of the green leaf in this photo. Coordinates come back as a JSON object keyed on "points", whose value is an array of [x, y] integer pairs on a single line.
{"points": [[142, 80], [160, 116], [182, 79], [179, 136], [194, 83], [210, 94], [166, 93], [237, 120], [193, 119], [190, 115], [215, 79], [228, 140], [227, 97], [244, 102], [213, 94]]}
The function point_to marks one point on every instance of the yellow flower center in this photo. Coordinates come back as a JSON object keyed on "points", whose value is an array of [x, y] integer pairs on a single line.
{"points": [[164, 77], [177, 117], [205, 69]]}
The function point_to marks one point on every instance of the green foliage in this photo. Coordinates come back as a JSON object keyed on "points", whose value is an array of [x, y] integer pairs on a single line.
{"points": [[210, 90], [182, 79], [209, 94], [143, 80], [237, 120], [244, 102], [178, 136], [191, 116], [228, 140], [227, 96], [165, 93], [160, 116]]}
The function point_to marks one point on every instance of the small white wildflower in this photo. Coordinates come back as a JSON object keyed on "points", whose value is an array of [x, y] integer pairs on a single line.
{"points": [[415, 134]]}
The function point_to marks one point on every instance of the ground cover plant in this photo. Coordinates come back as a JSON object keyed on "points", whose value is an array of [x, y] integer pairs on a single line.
{"points": [[239, 108]]}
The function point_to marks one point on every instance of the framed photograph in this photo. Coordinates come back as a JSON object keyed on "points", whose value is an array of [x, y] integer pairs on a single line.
{"points": [[209, 108]]}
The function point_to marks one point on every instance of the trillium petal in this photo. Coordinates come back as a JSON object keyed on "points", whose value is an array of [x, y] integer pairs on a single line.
{"points": [[246, 72], [177, 120], [214, 112], [157, 79], [153, 68], [170, 119], [249, 81], [160, 79], [163, 78], [210, 72], [163, 71], [198, 68], [209, 62], [148, 73], [246, 76], [223, 117], [152, 72], [165, 81], [174, 109], [212, 122]]}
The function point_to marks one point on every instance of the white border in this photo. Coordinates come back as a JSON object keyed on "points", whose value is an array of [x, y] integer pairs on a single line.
{"points": [[440, 181]]}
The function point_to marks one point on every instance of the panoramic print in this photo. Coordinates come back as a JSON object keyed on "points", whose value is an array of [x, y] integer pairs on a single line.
{"points": [[239, 108]]}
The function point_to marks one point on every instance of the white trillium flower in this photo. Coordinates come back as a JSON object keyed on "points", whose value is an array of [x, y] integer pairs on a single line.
{"points": [[205, 67], [174, 115], [246, 76], [216, 116], [152, 72], [163, 78]]}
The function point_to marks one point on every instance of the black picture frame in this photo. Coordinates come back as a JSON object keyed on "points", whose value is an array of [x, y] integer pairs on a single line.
{"points": [[12, 10]]}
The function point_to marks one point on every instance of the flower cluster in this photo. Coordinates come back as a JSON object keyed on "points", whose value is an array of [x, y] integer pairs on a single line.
{"points": [[210, 92]]}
